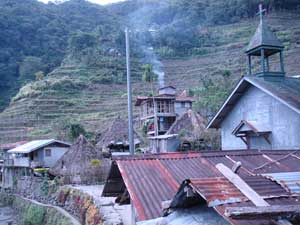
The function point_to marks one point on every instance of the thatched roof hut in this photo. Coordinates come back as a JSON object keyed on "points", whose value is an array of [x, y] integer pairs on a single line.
{"points": [[81, 164], [115, 138], [191, 130]]}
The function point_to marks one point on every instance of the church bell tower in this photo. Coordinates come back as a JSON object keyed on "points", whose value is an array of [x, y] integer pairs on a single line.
{"points": [[264, 44]]}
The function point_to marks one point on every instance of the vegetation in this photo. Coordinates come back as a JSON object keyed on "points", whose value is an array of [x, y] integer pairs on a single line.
{"points": [[179, 27], [212, 92], [62, 61], [35, 37], [69, 129], [34, 215]]}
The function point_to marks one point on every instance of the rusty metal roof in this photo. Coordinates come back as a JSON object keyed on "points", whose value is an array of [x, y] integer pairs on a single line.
{"points": [[284, 89], [152, 179], [217, 191], [9, 146]]}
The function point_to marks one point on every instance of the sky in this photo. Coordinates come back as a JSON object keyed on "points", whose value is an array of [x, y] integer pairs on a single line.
{"points": [[102, 2]]}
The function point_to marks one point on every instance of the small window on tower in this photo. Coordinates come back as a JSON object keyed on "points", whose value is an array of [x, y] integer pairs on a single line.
{"points": [[182, 104], [48, 152]]}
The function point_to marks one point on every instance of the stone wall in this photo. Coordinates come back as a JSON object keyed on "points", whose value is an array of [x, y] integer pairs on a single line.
{"points": [[27, 212], [84, 207]]}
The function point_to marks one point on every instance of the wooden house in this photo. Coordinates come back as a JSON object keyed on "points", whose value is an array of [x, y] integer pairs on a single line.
{"points": [[158, 113], [263, 110], [20, 160]]}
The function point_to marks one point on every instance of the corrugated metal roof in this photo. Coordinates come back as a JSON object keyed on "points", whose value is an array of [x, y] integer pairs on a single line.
{"points": [[290, 181], [34, 145], [9, 146], [152, 179], [217, 191]]}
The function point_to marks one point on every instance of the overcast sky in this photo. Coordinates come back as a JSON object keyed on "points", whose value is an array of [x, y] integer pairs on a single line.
{"points": [[102, 2]]}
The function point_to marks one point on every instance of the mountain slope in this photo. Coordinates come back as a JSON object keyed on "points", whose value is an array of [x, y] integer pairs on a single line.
{"points": [[34, 37], [74, 90]]}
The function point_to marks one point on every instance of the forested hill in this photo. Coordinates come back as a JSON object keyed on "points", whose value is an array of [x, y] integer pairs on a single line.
{"points": [[62, 66], [35, 37]]}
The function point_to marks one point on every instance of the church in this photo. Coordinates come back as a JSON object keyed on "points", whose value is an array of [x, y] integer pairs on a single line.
{"points": [[263, 110]]}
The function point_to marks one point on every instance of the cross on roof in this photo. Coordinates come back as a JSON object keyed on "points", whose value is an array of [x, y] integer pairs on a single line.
{"points": [[261, 12]]}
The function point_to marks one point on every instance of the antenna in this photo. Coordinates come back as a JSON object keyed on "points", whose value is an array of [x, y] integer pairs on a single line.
{"points": [[130, 120]]}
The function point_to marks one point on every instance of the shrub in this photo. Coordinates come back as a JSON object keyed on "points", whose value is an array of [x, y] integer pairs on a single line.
{"points": [[95, 162], [34, 215]]}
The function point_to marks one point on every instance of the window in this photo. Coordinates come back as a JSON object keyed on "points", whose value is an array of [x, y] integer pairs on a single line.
{"points": [[48, 152]]}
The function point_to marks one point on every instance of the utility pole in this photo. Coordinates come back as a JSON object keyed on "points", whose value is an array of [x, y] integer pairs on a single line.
{"points": [[130, 116]]}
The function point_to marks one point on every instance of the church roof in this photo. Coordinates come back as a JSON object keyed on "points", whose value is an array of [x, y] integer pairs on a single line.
{"points": [[284, 89], [264, 37]]}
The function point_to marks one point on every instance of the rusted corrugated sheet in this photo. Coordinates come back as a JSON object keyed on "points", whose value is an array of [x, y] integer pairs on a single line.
{"points": [[149, 184], [217, 191], [152, 179]]}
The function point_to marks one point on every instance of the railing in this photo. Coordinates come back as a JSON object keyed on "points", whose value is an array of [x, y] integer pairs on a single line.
{"points": [[18, 162], [163, 108]]}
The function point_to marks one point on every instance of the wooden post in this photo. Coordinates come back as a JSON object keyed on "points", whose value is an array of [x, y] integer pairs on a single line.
{"points": [[281, 62], [269, 212], [249, 65], [262, 59], [268, 64]]}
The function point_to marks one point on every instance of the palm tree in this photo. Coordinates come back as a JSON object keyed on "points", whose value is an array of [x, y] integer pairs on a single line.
{"points": [[149, 76]]}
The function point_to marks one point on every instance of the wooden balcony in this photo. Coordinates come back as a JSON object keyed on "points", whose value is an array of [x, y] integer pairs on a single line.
{"points": [[17, 162], [21, 162]]}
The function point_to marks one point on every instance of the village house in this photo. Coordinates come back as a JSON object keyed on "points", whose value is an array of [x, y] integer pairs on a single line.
{"points": [[263, 110], [20, 160], [186, 133], [158, 113]]}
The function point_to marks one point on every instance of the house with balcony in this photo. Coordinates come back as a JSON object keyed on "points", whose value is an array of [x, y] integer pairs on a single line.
{"points": [[21, 160], [158, 113]]}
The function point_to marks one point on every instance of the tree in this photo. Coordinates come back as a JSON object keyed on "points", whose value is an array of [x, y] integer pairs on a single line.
{"points": [[29, 67], [39, 75]]}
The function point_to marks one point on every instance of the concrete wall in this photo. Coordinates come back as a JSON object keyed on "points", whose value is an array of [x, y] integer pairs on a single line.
{"points": [[256, 105], [164, 145], [56, 154]]}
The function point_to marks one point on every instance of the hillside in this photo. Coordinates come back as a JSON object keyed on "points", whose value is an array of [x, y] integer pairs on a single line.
{"points": [[35, 37], [41, 107]]}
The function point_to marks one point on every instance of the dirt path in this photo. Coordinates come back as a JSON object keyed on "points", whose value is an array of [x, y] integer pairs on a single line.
{"points": [[61, 210]]}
